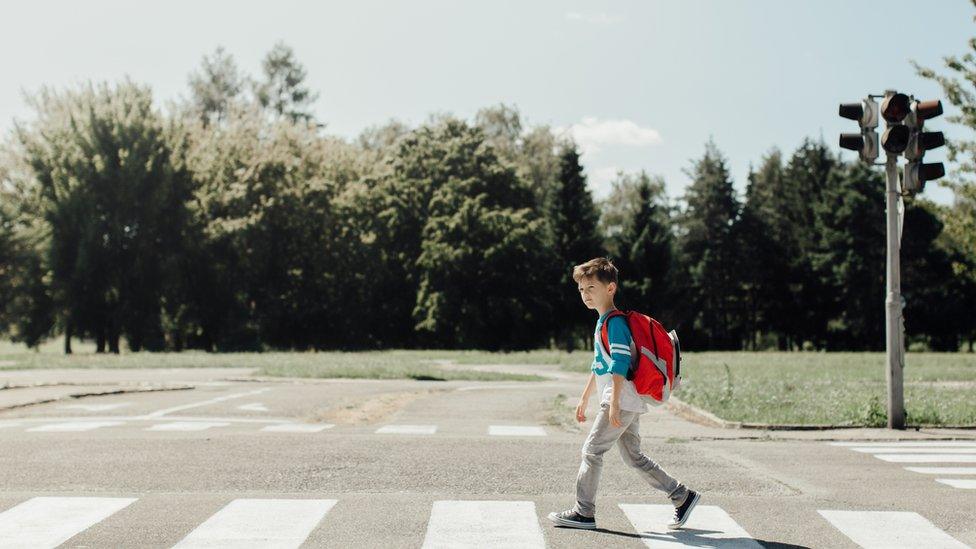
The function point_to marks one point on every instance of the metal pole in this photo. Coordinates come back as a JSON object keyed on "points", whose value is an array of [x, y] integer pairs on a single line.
{"points": [[893, 340]]}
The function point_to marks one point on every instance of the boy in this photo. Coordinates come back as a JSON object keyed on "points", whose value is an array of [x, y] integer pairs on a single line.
{"points": [[620, 408]]}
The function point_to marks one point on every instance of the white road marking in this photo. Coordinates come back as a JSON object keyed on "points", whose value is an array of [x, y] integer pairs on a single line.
{"points": [[964, 483], [73, 426], [9, 424], [407, 430], [501, 524], [890, 530], [912, 444], [260, 523], [900, 450], [708, 526], [927, 458], [50, 521], [164, 411], [298, 427], [516, 431], [187, 426], [253, 407], [95, 407], [237, 419], [943, 470]]}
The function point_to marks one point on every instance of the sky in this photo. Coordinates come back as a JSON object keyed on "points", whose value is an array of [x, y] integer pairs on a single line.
{"points": [[641, 85]]}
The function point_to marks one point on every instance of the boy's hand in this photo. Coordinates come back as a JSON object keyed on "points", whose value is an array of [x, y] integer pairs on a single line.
{"points": [[615, 414], [581, 410]]}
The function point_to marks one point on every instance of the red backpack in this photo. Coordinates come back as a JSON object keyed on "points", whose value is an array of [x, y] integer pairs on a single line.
{"points": [[655, 364]]}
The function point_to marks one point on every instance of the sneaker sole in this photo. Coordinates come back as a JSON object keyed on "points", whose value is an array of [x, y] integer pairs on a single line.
{"points": [[678, 525], [572, 524]]}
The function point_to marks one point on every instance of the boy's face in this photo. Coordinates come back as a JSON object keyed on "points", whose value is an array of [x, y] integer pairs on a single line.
{"points": [[596, 294]]}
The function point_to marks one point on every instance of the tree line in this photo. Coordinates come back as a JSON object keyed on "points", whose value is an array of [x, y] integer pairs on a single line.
{"points": [[232, 220]]}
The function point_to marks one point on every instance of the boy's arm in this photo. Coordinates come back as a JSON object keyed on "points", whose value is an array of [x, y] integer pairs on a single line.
{"points": [[588, 390], [585, 398], [618, 335]]}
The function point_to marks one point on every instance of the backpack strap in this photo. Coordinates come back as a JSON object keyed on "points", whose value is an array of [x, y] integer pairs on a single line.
{"points": [[604, 333]]}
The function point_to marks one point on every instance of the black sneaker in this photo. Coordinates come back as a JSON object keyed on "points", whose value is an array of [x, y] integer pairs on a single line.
{"points": [[572, 519], [682, 513]]}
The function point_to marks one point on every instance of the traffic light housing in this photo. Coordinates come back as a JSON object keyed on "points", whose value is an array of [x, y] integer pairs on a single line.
{"points": [[894, 109], [865, 143], [916, 171]]}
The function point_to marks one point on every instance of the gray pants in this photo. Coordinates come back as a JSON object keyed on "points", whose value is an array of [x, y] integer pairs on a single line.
{"points": [[627, 436]]}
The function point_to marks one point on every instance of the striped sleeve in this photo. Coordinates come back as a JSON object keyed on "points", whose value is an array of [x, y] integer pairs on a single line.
{"points": [[619, 335]]}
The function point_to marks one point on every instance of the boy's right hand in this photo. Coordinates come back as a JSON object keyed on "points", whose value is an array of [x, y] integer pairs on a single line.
{"points": [[581, 410]]}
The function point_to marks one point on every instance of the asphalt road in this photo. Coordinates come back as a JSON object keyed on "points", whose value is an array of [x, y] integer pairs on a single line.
{"points": [[280, 463]]}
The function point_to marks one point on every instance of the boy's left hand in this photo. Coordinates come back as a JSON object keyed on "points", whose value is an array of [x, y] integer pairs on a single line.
{"points": [[615, 415]]}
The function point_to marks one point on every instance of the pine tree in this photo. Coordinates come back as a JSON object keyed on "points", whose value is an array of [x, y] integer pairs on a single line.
{"points": [[710, 256], [573, 220]]}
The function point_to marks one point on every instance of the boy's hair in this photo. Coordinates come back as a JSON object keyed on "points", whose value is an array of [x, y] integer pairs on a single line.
{"points": [[600, 267]]}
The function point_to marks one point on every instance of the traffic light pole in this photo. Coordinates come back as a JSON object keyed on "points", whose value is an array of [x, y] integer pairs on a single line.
{"points": [[894, 343]]}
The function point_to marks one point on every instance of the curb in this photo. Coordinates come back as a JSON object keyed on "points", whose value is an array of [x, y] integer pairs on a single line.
{"points": [[140, 389], [702, 417]]}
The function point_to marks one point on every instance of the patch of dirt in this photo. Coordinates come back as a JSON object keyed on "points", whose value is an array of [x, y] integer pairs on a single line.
{"points": [[373, 409]]}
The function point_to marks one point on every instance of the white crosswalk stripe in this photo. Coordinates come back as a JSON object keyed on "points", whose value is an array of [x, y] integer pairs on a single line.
{"points": [[890, 530], [910, 444], [927, 458], [964, 483], [74, 426], [943, 470], [260, 523], [924, 452], [407, 430], [902, 450], [49, 521], [187, 426], [708, 526], [298, 427], [501, 524]]}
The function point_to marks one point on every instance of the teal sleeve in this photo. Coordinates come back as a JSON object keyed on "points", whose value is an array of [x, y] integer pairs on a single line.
{"points": [[619, 335]]}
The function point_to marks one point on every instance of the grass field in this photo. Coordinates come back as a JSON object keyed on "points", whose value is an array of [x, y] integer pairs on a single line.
{"points": [[796, 388]]}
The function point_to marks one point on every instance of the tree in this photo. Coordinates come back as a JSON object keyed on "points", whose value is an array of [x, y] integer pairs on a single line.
{"points": [[483, 277], [103, 183], [283, 90], [215, 86], [573, 222], [637, 219], [851, 258], [766, 243], [709, 254], [957, 85]]}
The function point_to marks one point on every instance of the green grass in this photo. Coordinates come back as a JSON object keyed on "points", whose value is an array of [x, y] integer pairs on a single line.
{"points": [[800, 388], [396, 364], [828, 388]]}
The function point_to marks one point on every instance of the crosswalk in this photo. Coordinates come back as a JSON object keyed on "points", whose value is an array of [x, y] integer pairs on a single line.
{"points": [[269, 426], [48, 521], [954, 453]]}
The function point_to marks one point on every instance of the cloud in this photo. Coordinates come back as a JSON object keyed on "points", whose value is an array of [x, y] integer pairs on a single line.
{"points": [[593, 134], [598, 18]]}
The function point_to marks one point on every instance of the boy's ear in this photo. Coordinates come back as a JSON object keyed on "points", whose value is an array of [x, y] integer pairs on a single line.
{"points": [[612, 288]]}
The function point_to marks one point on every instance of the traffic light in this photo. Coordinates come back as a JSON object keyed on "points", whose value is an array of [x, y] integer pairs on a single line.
{"points": [[894, 109], [865, 142], [916, 172]]}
